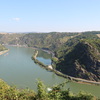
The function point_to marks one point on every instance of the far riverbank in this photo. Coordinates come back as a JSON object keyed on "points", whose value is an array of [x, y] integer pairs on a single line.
{"points": [[45, 50]]}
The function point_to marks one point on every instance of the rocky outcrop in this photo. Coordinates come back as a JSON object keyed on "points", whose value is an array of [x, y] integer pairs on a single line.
{"points": [[83, 61]]}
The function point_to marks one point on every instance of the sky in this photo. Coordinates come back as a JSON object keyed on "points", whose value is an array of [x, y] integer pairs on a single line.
{"points": [[49, 15]]}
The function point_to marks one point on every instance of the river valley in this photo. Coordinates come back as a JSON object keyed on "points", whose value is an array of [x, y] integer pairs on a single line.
{"points": [[17, 68]]}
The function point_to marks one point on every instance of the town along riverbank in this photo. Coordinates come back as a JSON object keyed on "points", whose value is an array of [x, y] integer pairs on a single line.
{"points": [[50, 68]]}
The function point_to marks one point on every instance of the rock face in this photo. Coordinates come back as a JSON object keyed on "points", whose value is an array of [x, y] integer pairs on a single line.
{"points": [[81, 61]]}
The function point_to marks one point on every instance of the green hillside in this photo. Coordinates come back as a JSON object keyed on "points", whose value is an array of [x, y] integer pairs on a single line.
{"points": [[49, 41], [9, 38], [80, 57]]}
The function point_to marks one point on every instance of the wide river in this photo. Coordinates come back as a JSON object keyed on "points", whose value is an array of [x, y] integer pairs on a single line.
{"points": [[18, 69]]}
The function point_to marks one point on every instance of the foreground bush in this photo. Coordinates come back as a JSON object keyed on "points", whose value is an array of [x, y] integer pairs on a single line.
{"points": [[54, 93]]}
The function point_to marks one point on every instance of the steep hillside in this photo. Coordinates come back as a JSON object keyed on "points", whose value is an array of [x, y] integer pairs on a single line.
{"points": [[81, 59], [47, 41]]}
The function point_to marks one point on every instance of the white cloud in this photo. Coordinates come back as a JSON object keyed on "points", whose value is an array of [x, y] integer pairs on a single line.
{"points": [[16, 19]]}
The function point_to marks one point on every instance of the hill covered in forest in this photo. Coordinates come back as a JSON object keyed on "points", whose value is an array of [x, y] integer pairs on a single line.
{"points": [[48, 41], [80, 57]]}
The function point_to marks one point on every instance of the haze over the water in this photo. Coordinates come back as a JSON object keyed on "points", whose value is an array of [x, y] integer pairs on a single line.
{"points": [[49, 15]]}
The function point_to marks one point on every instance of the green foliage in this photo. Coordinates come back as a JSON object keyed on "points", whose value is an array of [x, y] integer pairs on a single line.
{"points": [[57, 93], [48, 41], [12, 39], [41, 91], [55, 59], [11, 93], [2, 48], [84, 96], [67, 46], [94, 47]]}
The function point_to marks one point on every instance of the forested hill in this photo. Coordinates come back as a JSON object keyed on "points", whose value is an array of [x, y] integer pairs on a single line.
{"points": [[49, 41], [73, 41], [80, 57]]}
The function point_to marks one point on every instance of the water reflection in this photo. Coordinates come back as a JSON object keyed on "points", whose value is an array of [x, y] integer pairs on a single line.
{"points": [[44, 54]]}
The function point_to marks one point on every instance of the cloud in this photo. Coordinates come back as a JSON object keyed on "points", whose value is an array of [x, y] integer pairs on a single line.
{"points": [[16, 19]]}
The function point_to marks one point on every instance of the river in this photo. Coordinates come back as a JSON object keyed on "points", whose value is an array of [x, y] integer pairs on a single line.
{"points": [[18, 69]]}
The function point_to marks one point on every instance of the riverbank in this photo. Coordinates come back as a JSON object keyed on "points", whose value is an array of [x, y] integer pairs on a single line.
{"points": [[3, 52], [47, 51], [78, 80]]}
